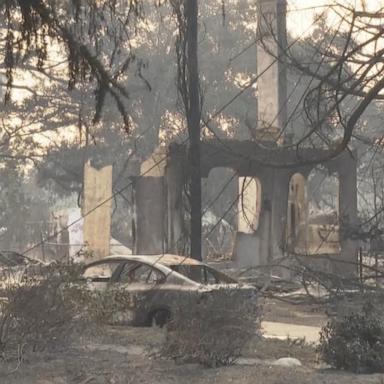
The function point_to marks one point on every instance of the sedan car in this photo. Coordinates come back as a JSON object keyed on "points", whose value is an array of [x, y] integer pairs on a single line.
{"points": [[154, 284]]}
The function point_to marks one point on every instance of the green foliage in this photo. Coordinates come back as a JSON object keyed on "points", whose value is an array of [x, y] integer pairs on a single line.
{"points": [[213, 331], [354, 342]]}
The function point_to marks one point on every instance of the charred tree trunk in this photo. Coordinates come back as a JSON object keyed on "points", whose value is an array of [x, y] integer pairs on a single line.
{"points": [[193, 120]]}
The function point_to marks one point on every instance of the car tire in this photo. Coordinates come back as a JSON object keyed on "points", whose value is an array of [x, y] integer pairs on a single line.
{"points": [[160, 318]]}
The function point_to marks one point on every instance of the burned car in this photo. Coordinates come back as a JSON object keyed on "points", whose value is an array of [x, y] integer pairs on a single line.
{"points": [[153, 285]]}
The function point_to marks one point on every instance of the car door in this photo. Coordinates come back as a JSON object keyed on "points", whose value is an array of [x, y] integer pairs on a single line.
{"points": [[139, 286]]}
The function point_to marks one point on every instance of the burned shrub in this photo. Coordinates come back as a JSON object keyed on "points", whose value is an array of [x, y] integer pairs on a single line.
{"points": [[41, 310], [113, 306], [354, 342], [214, 330]]}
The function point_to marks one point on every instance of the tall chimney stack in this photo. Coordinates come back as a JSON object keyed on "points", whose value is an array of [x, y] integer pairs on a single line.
{"points": [[271, 70]]}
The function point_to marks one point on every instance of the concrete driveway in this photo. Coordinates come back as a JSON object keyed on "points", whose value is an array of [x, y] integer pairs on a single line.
{"points": [[293, 331]]}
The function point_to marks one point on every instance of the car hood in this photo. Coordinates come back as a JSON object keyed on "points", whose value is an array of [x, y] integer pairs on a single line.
{"points": [[232, 286]]}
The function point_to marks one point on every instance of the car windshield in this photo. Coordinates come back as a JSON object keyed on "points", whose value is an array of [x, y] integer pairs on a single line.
{"points": [[202, 274]]}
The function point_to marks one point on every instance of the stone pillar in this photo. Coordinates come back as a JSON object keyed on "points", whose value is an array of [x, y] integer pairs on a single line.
{"points": [[149, 215], [96, 209], [347, 216], [271, 70], [158, 201], [263, 245], [150, 204]]}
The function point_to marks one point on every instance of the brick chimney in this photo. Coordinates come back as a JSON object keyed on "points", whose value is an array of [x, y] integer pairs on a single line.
{"points": [[272, 83]]}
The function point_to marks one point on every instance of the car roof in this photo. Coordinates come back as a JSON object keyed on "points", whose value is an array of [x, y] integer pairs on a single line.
{"points": [[164, 259]]}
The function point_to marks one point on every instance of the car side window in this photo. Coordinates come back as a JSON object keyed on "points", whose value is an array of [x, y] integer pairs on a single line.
{"points": [[135, 272], [217, 277], [101, 272], [210, 277]]}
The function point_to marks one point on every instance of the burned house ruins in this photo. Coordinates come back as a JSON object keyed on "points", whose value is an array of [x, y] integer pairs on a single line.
{"points": [[276, 172]]}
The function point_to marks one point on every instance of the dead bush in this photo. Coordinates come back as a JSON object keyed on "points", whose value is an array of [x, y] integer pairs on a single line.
{"points": [[112, 306], [354, 342], [42, 310], [213, 329]]}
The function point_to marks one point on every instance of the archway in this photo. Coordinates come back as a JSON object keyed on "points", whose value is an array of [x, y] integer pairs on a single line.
{"points": [[297, 215], [249, 205], [219, 219]]}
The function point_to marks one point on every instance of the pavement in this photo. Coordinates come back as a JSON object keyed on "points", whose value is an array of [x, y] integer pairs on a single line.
{"points": [[293, 331]]}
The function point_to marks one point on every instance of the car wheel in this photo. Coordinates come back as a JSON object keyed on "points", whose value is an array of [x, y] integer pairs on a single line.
{"points": [[160, 318]]}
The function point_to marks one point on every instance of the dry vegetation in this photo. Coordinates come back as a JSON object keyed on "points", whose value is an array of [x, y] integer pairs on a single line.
{"points": [[214, 332], [51, 334]]}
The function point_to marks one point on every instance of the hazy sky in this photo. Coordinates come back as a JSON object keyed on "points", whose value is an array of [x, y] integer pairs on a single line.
{"points": [[301, 12]]}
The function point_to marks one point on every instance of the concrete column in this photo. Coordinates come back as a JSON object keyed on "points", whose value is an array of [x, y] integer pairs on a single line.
{"points": [[96, 209], [149, 215], [271, 70]]}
